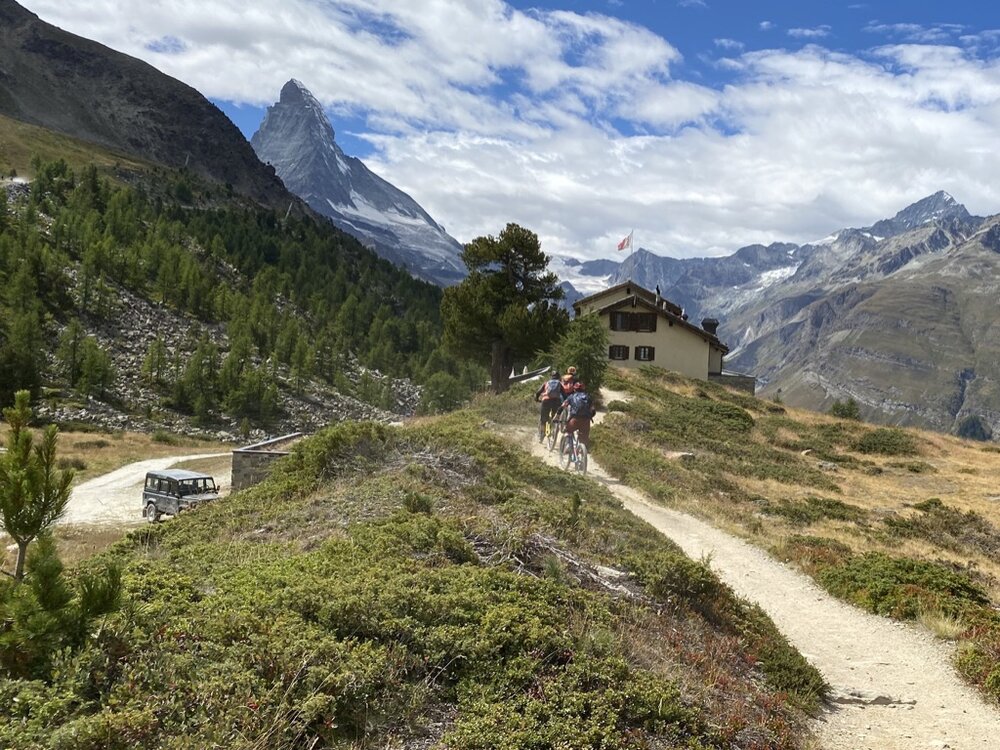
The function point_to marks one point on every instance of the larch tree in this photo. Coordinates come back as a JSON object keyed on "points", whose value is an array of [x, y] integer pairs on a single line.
{"points": [[507, 307]]}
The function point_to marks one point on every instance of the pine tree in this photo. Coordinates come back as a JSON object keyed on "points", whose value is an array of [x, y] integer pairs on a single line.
{"points": [[507, 306], [33, 492]]}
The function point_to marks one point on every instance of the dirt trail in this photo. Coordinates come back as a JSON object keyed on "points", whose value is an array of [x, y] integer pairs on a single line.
{"points": [[893, 687], [115, 498]]}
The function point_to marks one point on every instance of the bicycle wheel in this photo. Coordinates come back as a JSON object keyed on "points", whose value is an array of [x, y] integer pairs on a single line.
{"points": [[565, 453], [554, 434], [581, 458]]}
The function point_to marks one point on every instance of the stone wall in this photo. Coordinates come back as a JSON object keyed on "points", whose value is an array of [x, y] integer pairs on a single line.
{"points": [[253, 463]]}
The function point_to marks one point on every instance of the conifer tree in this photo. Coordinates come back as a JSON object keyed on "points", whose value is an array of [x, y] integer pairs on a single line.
{"points": [[506, 307], [70, 352], [33, 492], [97, 373]]}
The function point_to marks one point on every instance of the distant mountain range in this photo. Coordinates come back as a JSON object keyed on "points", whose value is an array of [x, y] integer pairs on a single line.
{"points": [[901, 315], [298, 140]]}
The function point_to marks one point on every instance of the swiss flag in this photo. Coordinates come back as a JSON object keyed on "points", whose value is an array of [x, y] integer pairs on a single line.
{"points": [[626, 243]]}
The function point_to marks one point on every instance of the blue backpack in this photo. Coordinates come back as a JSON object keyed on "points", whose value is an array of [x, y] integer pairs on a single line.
{"points": [[553, 390], [580, 406]]}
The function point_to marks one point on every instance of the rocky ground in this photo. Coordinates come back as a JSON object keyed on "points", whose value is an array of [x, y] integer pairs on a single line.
{"points": [[133, 404]]}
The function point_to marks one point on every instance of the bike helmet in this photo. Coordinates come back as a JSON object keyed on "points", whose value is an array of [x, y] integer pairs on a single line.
{"points": [[571, 370]]}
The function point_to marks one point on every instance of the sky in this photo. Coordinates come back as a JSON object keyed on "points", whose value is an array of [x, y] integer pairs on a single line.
{"points": [[702, 125]]}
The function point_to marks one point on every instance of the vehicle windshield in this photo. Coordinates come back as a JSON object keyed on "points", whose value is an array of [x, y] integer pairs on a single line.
{"points": [[197, 486]]}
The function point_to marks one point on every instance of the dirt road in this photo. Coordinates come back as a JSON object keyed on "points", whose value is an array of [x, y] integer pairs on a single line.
{"points": [[893, 686], [115, 498]]}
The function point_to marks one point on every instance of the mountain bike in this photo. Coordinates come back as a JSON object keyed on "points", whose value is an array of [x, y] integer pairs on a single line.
{"points": [[553, 429], [573, 453]]}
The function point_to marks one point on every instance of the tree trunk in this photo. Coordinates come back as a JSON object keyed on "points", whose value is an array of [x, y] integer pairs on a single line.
{"points": [[502, 359], [22, 554]]}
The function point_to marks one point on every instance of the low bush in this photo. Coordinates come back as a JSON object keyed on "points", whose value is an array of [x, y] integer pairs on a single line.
{"points": [[814, 509], [901, 587], [165, 438], [887, 441], [388, 586], [946, 527]]}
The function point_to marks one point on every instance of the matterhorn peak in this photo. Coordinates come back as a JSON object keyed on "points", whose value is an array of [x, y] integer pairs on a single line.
{"points": [[297, 139]]}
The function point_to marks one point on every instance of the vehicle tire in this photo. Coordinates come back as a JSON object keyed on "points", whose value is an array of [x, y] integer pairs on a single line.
{"points": [[152, 515], [581, 458]]}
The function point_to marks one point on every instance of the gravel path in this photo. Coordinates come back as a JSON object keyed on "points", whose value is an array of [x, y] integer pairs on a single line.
{"points": [[893, 687], [116, 497]]}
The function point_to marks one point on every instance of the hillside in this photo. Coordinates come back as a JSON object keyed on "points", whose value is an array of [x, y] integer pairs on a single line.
{"points": [[71, 85], [160, 299], [897, 522], [406, 587]]}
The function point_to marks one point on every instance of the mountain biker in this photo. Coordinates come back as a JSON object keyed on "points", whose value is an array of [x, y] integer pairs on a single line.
{"points": [[551, 397], [580, 409], [568, 381]]}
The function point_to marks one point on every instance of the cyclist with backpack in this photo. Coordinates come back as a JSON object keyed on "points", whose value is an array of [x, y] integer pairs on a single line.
{"points": [[580, 410], [568, 381], [551, 397]]}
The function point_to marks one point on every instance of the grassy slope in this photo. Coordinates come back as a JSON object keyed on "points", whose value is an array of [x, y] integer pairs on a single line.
{"points": [[21, 142], [407, 585], [898, 522]]}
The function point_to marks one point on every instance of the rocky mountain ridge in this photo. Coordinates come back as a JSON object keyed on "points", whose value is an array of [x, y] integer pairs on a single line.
{"points": [[53, 79], [297, 139], [899, 315]]}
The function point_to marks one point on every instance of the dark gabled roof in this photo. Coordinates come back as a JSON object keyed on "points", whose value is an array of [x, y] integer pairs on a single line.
{"points": [[636, 300], [634, 289]]}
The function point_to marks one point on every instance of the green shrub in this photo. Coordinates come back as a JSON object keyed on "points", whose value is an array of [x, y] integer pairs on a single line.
{"points": [[585, 346], [813, 510], [947, 527], [166, 438], [901, 587], [887, 441], [847, 410]]}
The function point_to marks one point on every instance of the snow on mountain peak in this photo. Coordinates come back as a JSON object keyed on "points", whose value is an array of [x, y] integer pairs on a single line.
{"points": [[297, 139]]}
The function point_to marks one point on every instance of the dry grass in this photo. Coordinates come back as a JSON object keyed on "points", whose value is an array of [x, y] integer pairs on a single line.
{"points": [[964, 475], [75, 543], [103, 452], [20, 142], [945, 627]]}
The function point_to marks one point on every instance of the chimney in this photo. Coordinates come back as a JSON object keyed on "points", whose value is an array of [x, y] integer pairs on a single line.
{"points": [[711, 325]]}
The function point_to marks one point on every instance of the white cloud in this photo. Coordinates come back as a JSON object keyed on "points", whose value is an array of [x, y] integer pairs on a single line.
{"points": [[766, 25], [729, 44], [914, 32], [575, 124], [817, 32]]}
